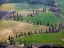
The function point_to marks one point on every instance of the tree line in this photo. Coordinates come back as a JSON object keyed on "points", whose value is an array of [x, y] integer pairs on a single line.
{"points": [[45, 2]]}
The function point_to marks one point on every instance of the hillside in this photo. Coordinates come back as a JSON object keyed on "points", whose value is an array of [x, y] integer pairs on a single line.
{"points": [[12, 27]]}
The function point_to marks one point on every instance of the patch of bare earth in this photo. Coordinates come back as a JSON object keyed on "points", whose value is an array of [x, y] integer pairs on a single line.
{"points": [[62, 39]]}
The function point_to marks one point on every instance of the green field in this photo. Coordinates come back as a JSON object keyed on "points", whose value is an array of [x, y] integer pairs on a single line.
{"points": [[44, 17], [43, 38]]}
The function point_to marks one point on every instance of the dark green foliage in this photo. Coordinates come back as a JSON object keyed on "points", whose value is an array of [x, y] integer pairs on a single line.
{"points": [[48, 23], [49, 29], [37, 22], [52, 28], [9, 38], [46, 31], [40, 22], [11, 42], [16, 35], [31, 15], [29, 33], [20, 17], [14, 17], [17, 17]]}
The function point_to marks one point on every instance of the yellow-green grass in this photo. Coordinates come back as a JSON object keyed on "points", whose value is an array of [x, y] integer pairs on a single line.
{"points": [[8, 27], [7, 7]]}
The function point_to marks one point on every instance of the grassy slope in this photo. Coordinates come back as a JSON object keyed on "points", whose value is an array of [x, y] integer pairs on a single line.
{"points": [[44, 17], [44, 38], [8, 27]]}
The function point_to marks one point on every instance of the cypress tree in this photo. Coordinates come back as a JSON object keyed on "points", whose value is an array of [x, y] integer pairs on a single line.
{"points": [[46, 31], [21, 17], [40, 22], [49, 29], [29, 33], [33, 12], [37, 22], [52, 28], [14, 18], [9, 38], [16, 35], [48, 23], [17, 16], [11, 42], [36, 12]]}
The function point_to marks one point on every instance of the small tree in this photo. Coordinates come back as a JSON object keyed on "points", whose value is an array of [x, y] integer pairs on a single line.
{"points": [[46, 31], [40, 22], [36, 12], [18, 17], [9, 38], [33, 12], [41, 31], [14, 18], [49, 29], [11, 42], [31, 15], [29, 33], [16, 35], [48, 23], [53, 29], [21, 17], [37, 22]]}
